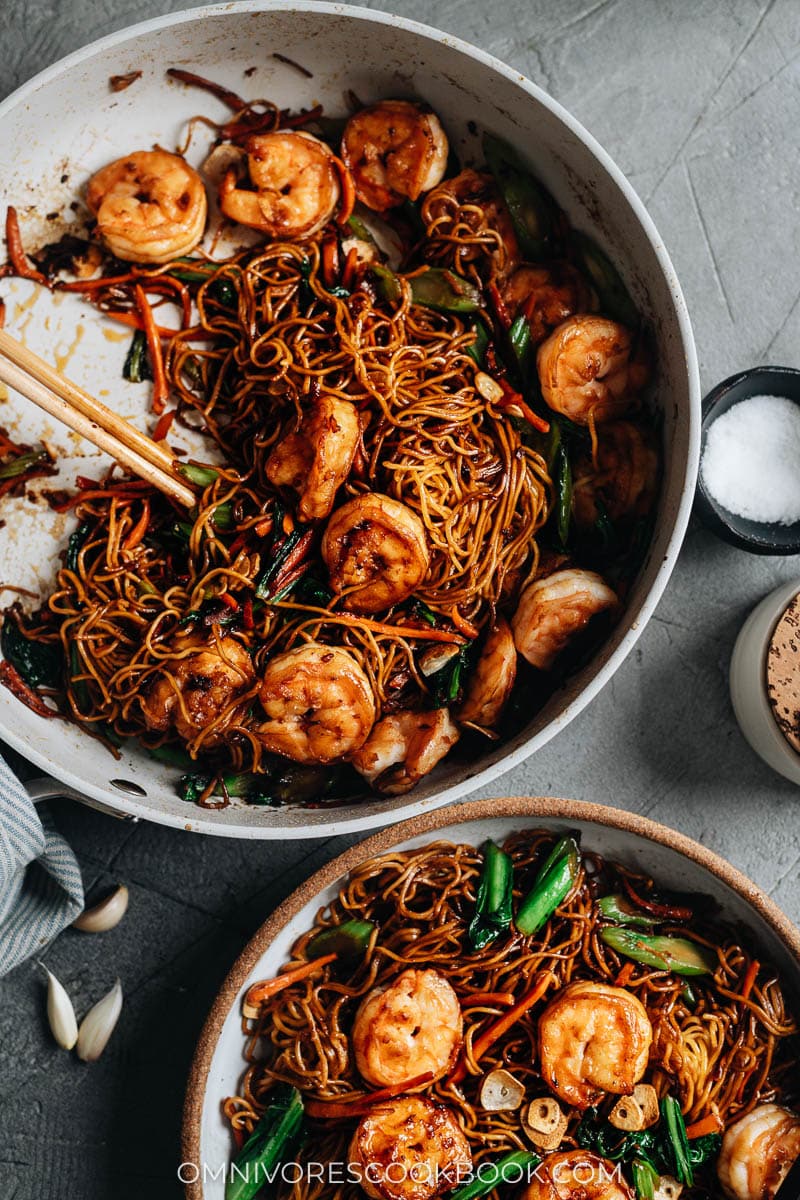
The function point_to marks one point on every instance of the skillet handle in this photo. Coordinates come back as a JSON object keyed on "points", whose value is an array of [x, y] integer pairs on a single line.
{"points": [[46, 788]]}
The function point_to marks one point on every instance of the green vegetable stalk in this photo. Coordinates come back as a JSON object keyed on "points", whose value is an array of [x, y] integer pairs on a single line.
{"points": [[675, 954], [678, 1141], [435, 288], [267, 1145], [201, 476], [645, 1178], [347, 941], [22, 463], [137, 363], [512, 1168], [39, 664], [493, 905], [617, 909], [554, 882], [531, 207]]}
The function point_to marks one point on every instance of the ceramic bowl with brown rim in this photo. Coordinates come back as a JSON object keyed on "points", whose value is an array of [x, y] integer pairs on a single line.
{"points": [[624, 837]]}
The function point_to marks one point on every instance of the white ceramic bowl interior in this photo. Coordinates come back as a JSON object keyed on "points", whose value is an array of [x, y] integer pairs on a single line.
{"points": [[748, 683], [66, 123], [620, 836]]}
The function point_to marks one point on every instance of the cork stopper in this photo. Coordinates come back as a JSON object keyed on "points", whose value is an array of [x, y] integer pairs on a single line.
{"points": [[783, 674]]}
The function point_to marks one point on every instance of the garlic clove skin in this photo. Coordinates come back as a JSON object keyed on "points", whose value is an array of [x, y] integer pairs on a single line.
{"points": [[105, 915], [60, 1013], [98, 1025]]}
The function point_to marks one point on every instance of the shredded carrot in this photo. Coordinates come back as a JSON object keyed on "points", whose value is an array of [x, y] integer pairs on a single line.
{"points": [[504, 316], [11, 678], [164, 424], [299, 119], [97, 284], [247, 614], [350, 267], [2, 314], [16, 253], [228, 599], [462, 625], [140, 528], [750, 978], [238, 1136], [512, 399], [712, 1123], [259, 992], [262, 528], [348, 192], [499, 1027], [405, 631], [624, 975], [160, 385], [330, 262], [123, 492], [473, 998], [134, 321], [341, 1109]]}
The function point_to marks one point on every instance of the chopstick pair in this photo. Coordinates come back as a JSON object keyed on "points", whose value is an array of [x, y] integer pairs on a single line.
{"points": [[35, 379]]}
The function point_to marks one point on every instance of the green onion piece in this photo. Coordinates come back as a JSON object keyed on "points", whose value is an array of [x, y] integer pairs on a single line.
{"points": [[202, 476], [223, 291], [678, 1141], [22, 463], [427, 614], [274, 1134], [192, 275], [678, 955], [77, 541], [264, 580], [512, 1168], [689, 995], [519, 335], [435, 288], [359, 229], [446, 682], [531, 206], [645, 1178], [617, 909], [554, 882], [614, 297], [137, 362], [223, 516], [40, 664], [563, 482], [477, 351], [494, 902], [348, 941]]}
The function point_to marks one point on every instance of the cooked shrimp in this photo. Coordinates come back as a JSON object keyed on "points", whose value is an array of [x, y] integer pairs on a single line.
{"points": [[546, 295], [411, 1027], [376, 552], [577, 1175], [593, 1038], [623, 477], [552, 610], [469, 211], [319, 703], [294, 185], [199, 687], [409, 1149], [315, 459], [403, 747], [590, 369], [492, 680], [150, 206], [758, 1151], [394, 150]]}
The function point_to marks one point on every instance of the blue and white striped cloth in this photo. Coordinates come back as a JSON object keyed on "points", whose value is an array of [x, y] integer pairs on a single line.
{"points": [[40, 881]]}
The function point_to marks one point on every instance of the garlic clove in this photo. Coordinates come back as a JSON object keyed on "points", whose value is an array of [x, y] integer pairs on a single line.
{"points": [[105, 915], [501, 1091], [98, 1025], [60, 1013]]}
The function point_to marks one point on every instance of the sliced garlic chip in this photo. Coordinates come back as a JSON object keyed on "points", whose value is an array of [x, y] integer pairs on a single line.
{"points": [[60, 1013], [501, 1091], [667, 1188], [544, 1122], [98, 1025], [105, 915]]}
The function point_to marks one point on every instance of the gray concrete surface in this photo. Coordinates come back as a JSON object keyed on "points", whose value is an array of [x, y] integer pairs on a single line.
{"points": [[699, 102]]}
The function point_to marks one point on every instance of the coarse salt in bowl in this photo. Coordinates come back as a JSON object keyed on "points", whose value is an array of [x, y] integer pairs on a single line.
{"points": [[749, 485]]}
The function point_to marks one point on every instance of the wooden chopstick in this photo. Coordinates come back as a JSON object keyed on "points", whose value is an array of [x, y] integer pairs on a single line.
{"points": [[35, 379]]}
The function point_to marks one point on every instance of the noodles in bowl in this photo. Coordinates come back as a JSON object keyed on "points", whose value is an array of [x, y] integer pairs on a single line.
{"points": [[439, 465], [532, 1014]]}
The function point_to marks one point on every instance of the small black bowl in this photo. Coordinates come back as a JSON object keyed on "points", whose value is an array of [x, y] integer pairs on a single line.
{"points": [[755, 536]]}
